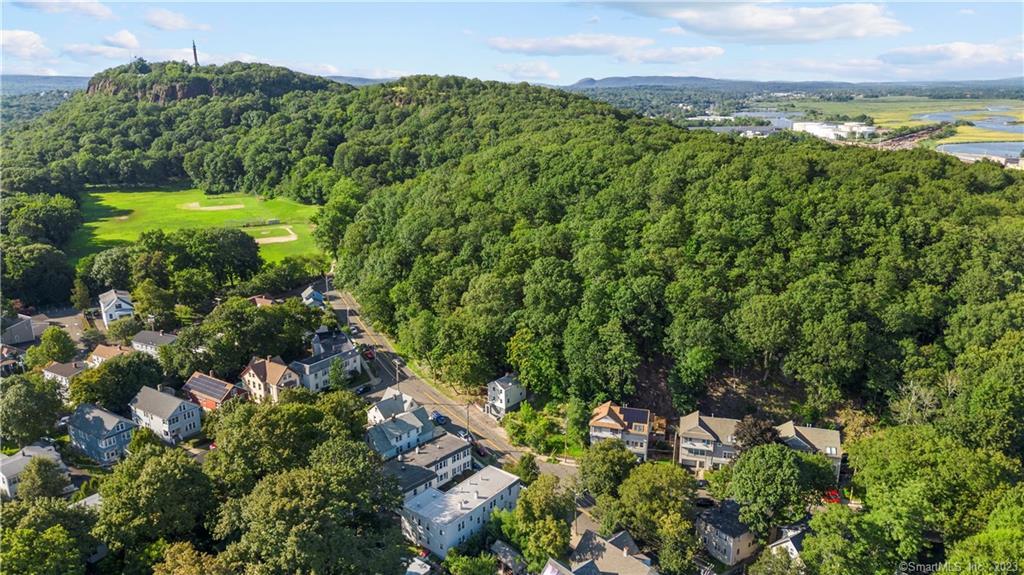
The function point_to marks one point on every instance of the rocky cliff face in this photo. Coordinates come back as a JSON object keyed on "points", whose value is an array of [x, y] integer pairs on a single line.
{"points": [[159, 93]]}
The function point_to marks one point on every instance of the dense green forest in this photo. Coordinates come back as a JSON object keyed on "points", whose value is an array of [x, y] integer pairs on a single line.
{"points": [[495, 226]]}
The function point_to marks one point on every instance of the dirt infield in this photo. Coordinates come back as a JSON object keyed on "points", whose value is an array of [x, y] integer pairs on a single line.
{"points": [[196, 206], [291, 237]]}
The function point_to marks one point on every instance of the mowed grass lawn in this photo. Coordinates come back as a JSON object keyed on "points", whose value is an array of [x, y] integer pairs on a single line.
{"points": [[118, 217]]}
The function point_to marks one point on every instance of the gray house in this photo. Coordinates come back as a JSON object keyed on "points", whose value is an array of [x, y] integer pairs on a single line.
{"points": [[314, 372], [402, 433], [17, 329], [170, 418], [100, 434], [11, 467], [150, 342]]}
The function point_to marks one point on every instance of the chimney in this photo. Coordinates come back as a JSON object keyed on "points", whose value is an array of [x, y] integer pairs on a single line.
{"points": [[625, 551], [476, 493]]}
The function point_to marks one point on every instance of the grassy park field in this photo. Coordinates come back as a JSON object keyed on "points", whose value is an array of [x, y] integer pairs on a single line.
{"points": [[117, 217], [897, 111]]}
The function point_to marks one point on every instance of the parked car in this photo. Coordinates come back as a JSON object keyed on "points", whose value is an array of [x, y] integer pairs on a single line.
{"points": [[702, 484], [439, 419], [464, 434], [481, 450], [831, 496], [704, 502], [353, 328], [368, 354], [365, 388]]}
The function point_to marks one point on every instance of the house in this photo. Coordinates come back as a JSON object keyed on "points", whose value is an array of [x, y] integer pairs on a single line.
{"points": [[791, 543], [510, 561], [503, 395], [94, 502], [417, 566], [17, 329], [431, 464], [104, 352], [100, 434], [596, 555], [629, 424], [440, 520], [266, 377], [208, 392], [263, 300], [401, 433], [12, 360], [723, 535], [169, 417], [314, 372], [392, 403], [813, 440], [706, 442], [710, 442], [150, 342], [11, 466], [326, 339], [63, 373], [114, 305], [312, 298]]}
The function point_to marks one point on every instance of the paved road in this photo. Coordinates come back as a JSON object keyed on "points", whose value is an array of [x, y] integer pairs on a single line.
{"points": [[463, 414]]}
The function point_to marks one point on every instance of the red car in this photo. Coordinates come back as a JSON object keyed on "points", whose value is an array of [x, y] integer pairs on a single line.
{"points": [[831, 496], [368, 354]]}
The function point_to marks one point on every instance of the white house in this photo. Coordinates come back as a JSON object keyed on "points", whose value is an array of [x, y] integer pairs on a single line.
{"points": [[11, 466], [63, 373], [150, 342], [504, 394], [313, 297], [402, 433], [314, 372], [265, 378], [441, 520], [170, 418], [392, 403], [114, 305], [723, 535], [791, 543], [430, 465], [104, 352]]}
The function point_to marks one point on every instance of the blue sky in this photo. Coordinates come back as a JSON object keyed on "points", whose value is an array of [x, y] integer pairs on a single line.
{"points": [[547, 42]]}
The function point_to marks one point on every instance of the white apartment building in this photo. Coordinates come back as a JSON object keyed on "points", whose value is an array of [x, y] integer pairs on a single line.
{"points": [[504, 394], [439, 520], [430, 465], [170, 418]]}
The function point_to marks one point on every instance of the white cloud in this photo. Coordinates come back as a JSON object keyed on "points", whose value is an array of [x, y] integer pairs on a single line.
{"points": [[573, 44], [956, 54], [966, 11], [678, 55], [166, 20], [89, 8], [122, 39], [773, 23], [85, 51], [674, 30], [535, 70], [24, 44]]}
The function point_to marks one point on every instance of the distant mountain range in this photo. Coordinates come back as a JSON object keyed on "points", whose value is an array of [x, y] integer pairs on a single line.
{"points": [[697, 82], [357, 81]]}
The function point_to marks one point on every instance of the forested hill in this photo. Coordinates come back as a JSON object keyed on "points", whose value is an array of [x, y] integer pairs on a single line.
{"points": [[494, 226]]}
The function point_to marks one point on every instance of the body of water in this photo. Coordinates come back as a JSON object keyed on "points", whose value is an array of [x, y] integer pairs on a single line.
{"points": [[995, 122], [1005, 149]]}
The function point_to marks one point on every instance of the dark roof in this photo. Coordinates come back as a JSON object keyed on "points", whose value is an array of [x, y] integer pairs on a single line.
{"points": [[157, 403], [6, 322], [634, 415], [207, 385], [506, 381], [414, 469], [726, 518], [96, 421], [154, 338], [69, 369]]}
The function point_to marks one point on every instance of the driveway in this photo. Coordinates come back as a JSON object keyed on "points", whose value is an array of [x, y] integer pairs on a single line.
{"points": [[68, 318]]}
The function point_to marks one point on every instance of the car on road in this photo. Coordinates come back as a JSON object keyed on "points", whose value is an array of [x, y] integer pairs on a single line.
{"points": [[831, 496], [464, 434], [702, 484], [704, 502], [353, 328], [439, 419], [369, 355], [481, 450], [365, 388]]}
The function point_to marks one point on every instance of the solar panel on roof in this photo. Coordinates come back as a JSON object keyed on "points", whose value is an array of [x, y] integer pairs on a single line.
{"points": [[206, 385]]}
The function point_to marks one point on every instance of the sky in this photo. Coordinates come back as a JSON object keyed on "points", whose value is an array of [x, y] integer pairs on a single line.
{"points": [[541, 42]]}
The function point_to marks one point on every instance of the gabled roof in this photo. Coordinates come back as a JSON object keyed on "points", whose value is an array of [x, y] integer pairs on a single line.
{"points": [[720, 429], [415, 468], [310, 292], [109, 297], [157, 403], [269, 370], [618, 554], [12, 465], [66, 370], [815, 439], [393, 403], [385, 434], [153, 338], [726, 518], [612, 416], [208, 386], [7, 322], [96, 421], [507, 381], [104, 351]]}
